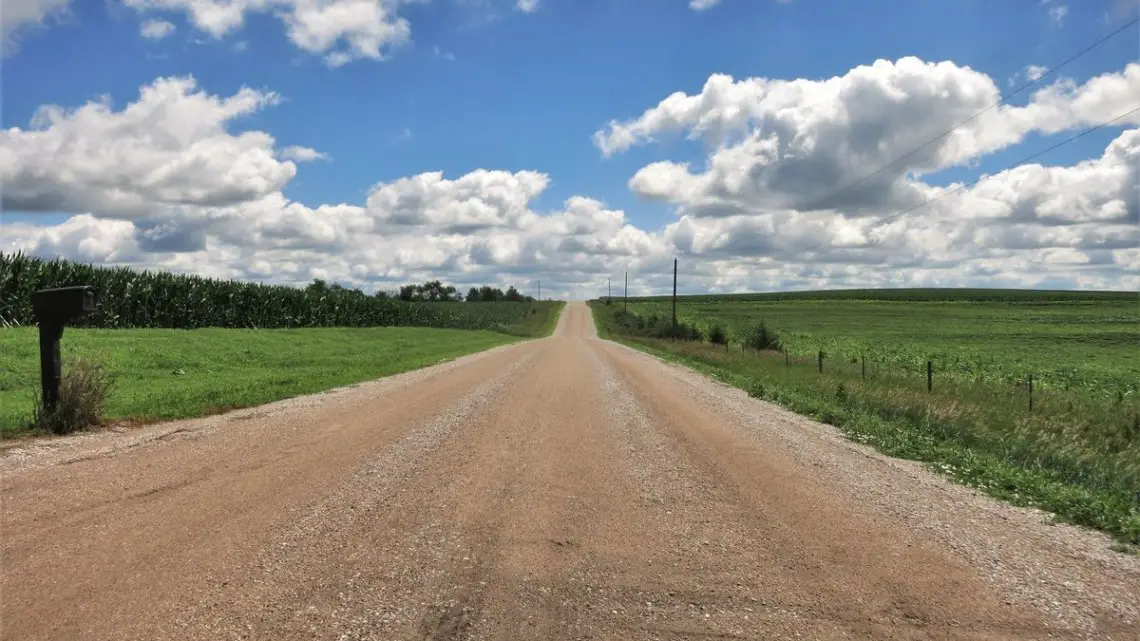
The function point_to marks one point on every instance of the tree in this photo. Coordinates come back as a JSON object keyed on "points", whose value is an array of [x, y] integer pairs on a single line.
{"points": [[489, 294], [473, 295], [513, 295]]}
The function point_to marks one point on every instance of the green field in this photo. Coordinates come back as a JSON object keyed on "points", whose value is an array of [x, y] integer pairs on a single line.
{"points": [[178, 345], [1077, 453], [169, 373], [1066, 339]]}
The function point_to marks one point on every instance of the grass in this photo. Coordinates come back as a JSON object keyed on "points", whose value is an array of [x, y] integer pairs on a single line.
{"points": [[167, 373], [1077, 454], [1064, 339]]}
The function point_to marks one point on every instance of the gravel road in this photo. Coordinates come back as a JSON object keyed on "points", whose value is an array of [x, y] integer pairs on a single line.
{"points": [[562, 488]]}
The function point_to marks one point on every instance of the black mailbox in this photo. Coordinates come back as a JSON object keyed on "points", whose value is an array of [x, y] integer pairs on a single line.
{"points": [[63, 302], [53, 308]]}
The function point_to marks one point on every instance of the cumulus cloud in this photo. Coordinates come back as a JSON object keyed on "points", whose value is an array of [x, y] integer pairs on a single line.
{"points": [[340, 30], [479, 200], [20, 16], [156, 29], [769, 192], [527, 6], [303, 154], [475, 228], [793, 144], [170, 147], [735, 228]]}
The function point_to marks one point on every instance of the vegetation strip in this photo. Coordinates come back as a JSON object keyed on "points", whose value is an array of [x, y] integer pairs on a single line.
{"points": [[1077, 454], [159, 374], [140, 299]]}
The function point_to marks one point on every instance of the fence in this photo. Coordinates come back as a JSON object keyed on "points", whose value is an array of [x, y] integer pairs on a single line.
{"points": [[1022, 393]]}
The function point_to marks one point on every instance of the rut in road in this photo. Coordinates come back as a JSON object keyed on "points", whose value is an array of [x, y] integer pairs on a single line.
{"points": [[561, 488]]}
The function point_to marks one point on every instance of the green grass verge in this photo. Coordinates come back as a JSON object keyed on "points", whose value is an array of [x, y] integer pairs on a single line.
{"points": [[1073, 456], [168, 373]]}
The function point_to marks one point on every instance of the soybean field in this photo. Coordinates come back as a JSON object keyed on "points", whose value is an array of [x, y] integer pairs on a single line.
{"points": [[1070, 340]]}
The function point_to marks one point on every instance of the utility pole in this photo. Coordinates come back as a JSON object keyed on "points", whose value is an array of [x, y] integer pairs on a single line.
{"points": [[674, 332], [625, 305], [609, 291], [540, 291]]}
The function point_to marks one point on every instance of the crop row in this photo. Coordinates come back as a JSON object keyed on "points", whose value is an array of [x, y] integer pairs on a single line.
{"points": [[142, 299]]}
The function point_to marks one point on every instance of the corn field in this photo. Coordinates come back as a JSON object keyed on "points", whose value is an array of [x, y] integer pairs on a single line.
{"points": [[143, 299]]}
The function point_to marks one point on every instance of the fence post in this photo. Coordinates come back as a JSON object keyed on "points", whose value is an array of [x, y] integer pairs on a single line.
{"points": [[863, 363], [821, 361], [1031, 392], [786, 359], [929, 376]]}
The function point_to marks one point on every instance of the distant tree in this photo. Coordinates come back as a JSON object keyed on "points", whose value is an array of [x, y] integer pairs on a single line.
{"points": [[513, 295], [318, 285], [489, 294], [473, 295], [432, 292]]}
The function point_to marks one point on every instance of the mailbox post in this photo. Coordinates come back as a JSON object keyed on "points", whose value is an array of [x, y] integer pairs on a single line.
{"points": [[53, 308]]}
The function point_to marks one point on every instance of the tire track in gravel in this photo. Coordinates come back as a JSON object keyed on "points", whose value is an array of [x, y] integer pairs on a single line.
{"points": [[857, 572], [209, 498], [362, 558], [566, 488]]}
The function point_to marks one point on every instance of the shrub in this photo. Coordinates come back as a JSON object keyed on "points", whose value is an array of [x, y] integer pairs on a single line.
{"points": [[82, 394], [695, 333], [762, 338], [717, 335]]}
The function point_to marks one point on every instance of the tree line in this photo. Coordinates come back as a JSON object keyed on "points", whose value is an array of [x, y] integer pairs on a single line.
{"points": [[435, 291]]}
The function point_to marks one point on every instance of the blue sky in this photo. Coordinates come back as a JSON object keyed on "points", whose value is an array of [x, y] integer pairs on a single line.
{"points": [[482, 84]]}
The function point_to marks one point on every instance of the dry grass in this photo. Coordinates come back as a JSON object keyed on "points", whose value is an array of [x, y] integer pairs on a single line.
{"points": [[83, 393]]}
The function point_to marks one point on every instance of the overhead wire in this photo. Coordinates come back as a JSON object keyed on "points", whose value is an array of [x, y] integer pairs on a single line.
{"points": [[966, 185], [994, 105]]}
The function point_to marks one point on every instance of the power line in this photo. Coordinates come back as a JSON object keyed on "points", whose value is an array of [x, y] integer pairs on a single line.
{"points": [[974, 117], [897, 215]]}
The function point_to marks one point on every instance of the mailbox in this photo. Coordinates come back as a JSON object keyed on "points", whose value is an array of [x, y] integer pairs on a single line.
{"points": [[63, 303], [53, 308]]}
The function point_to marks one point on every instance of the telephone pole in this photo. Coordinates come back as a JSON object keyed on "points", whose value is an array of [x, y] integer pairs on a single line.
{"points": [[625, 305], [674, 336], [609, 291], [540, 291]]}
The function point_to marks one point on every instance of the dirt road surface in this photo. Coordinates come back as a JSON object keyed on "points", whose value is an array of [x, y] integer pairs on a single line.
{"points": [[562, 488]]}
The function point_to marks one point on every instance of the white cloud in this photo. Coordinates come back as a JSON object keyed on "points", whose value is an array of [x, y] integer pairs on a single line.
{"points": [[20, 16], [83, 238], [341, 30], [170, 147], [701, 5], [156, 29], [1065, 225], [1057, 14], [1033, 72], [479, 200], [527, 6], [303, 154], [793, 144]]}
